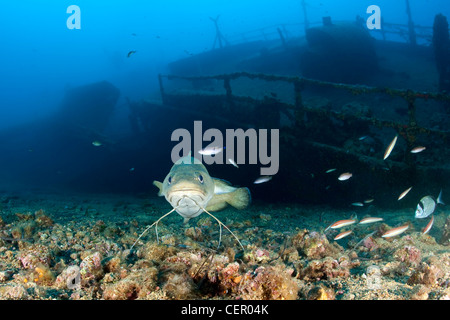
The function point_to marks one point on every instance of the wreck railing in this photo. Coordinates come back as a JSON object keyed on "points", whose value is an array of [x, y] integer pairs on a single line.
{"points": [[407, 130], [292, 30]]}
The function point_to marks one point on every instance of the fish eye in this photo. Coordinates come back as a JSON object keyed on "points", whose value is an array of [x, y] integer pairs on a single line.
{"points": [[200, 178], [169, 180]]}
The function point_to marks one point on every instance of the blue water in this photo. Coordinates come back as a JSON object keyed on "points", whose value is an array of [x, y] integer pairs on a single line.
{"points": [[40, 56], [84, 133]]}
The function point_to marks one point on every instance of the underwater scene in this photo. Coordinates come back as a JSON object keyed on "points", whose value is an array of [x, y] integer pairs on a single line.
{"points": [[225, 150]]}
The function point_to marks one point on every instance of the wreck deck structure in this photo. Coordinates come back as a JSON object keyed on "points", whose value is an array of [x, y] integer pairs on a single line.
{"points": [[325, 124]]}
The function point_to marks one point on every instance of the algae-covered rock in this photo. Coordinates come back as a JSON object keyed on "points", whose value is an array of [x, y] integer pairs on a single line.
{"points": [[314, 245], [269, 283]]}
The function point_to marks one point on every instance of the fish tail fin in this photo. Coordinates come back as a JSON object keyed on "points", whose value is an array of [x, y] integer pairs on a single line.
{"points": [[240, 199], [439, 198], [159, 186]]}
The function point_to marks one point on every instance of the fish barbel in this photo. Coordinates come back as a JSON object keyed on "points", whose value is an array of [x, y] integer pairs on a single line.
{"points": [[190, 190]]}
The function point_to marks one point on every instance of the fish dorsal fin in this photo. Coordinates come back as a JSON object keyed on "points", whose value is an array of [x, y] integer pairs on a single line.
{"points": [[189, 159]]}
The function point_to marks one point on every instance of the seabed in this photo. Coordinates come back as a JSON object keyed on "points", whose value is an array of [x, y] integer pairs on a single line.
{"points": [[76, 247]]}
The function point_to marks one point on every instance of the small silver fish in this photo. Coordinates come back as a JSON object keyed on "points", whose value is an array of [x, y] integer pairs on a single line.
{"points": [[404, 193], [262, 179], [370, 220], [343, 234], [417, 149], [330, 170], [345, 176], [395, 231], [425, 207], [390, 148], [428, 226], [233, 163], [96, 143], [358, 204], [210, 151], [439, 198], [131, 53]]}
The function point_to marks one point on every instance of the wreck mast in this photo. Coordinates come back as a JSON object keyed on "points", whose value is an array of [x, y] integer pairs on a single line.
{"points": [[306, 22], [412, 33]]}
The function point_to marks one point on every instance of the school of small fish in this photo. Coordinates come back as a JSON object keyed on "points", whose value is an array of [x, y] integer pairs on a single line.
{"points": [[424, 209]]}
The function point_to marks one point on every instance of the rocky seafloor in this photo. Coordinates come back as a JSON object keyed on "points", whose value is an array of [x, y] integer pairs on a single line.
{"points": [[77, 247]]}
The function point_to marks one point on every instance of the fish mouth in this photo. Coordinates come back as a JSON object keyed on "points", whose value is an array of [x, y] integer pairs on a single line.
{"points": [[189, 202], [188, 190], [175, 196]]}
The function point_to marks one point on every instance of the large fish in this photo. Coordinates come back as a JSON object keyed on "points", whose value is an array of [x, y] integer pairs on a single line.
{"points": [[425, 207], [190, 190]]}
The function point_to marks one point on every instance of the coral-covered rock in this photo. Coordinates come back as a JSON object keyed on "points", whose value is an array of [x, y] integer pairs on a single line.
{"points": [[370, 244], [269, 283], [195, 233], [328, 268], [320, 293], [35, 255], [445, 237], [419, 292], [91, 268], [42, 219], [207, 268], [155, 252], [255, 255], [427, 273], [315, 245], [14, 292], [136, 285], [408, 255], [179, 286], [229, 277], [125, 289], [113, 264]]}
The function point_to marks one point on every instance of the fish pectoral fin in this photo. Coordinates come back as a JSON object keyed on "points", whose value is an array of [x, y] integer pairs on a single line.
{"points": [[159, 185], [240, 199], [222, 186], [217, 202]]}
